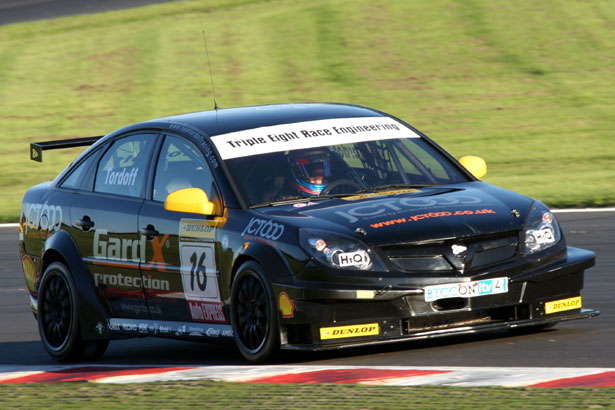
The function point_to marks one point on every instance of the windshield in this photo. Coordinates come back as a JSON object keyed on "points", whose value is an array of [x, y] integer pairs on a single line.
{"points": [[351, 163]]}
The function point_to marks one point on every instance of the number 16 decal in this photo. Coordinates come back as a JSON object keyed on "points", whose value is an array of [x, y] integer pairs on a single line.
{"points": [[199, 272]]}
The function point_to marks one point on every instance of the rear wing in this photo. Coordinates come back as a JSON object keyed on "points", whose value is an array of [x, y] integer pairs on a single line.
{"points": [[37, 148]]}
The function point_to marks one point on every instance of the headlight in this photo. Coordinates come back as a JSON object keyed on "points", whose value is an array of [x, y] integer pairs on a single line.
{"points": [[337, 251], [541, 229]]}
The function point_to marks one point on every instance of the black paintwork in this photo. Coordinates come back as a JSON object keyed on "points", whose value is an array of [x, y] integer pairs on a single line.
{"points": [[139, 290]]}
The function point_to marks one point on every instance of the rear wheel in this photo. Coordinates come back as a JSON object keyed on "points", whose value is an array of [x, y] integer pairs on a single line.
{"points": [[253, 314], [58, 318]]}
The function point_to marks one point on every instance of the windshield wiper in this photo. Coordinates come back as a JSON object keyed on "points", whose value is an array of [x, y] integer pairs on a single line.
{"points": [[295, 199], [393, 186], [283, 201]]}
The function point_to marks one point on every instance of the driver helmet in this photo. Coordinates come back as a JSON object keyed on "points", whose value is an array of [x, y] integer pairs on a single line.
{"points": [[311, 170]]}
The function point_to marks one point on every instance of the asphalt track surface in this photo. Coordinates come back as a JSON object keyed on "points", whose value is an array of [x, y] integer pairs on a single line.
{"points": [[582, 343], [17, 11]]}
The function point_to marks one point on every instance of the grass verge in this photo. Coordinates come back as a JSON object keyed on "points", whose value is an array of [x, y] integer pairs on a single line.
{"points": [[527, 85], [221, 395]]}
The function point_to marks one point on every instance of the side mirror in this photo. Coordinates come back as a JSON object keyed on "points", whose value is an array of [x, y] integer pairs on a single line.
{"points": [[476, 165], [193, 200]]}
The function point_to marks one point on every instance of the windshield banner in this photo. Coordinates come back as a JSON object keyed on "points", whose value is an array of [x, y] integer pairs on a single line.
{"points": [[309, 134]]}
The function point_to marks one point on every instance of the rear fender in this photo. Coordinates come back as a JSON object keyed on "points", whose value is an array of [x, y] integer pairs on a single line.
{"points": [[60, 246]]}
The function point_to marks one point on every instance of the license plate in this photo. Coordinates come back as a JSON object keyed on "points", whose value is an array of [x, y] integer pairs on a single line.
{"points": [[466, 289]]}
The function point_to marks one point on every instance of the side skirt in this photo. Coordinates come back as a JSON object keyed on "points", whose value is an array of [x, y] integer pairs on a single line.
{"points": [[179, 330]]}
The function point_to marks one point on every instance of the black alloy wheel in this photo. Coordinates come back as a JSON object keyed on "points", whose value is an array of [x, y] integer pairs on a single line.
{"points": [[57, 311], [253, 314], [58, 318]]}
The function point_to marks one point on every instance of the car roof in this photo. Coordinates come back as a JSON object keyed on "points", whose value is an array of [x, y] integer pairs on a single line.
{"points": [[222, 121]]}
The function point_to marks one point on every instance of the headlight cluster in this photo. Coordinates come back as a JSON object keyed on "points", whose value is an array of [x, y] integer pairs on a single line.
{"points": [[338, 251], [541, 229]]}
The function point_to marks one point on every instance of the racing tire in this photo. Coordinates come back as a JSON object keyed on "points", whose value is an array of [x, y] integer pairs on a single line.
{"points": [[253, 314], [58, 318]]}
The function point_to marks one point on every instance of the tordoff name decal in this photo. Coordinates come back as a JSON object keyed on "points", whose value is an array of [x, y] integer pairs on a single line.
{"points": [[394, 205], [563, 304], [125, 177], [125, 250], [430, 215], [341, 332], [262, 228]]}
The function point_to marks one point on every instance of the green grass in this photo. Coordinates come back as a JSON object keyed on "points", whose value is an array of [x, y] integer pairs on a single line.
{"points": [[220, 395], [527, 85]]}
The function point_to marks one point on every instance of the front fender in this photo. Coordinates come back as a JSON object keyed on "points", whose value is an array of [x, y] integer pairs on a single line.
{"points": [[273, 262], [91, 311]]}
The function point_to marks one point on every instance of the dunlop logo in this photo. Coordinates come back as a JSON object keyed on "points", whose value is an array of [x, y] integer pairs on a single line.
{"points": [[562, 305], [197, 229], [341, 332]]}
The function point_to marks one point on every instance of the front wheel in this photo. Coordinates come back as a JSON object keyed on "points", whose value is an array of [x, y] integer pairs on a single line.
{"points": [[58, 318], [253, 314]]}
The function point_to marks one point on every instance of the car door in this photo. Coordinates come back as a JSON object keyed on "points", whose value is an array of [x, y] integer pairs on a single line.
{"points": [[182, 244], [104, 215]]}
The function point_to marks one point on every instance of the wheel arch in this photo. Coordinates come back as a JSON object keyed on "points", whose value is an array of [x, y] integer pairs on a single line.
{"points": [[60, 247], [272, 262]]}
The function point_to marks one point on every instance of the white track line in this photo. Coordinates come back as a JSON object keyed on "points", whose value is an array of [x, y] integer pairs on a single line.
{"points": [[579, 210]]}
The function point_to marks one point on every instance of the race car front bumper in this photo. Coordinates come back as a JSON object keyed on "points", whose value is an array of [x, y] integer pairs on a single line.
{"points": [[333, 317]]}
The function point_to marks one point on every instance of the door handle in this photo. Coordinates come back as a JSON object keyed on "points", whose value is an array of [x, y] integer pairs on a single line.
{"points": [[85, 223], [149, 232]]}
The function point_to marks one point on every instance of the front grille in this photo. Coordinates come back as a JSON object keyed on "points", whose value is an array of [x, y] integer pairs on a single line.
{"points": [[446, 257]]}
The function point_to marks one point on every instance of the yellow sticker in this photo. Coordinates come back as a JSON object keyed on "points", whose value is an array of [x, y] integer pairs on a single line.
{"points": [[365, 294], [286, 305], [29, 272], [196, 229], [562, 305], [341, 332], [396, 192]]}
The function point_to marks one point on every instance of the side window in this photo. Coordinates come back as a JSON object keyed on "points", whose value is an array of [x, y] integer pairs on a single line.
{"points": [[181, 165], [122, 169], [75, 178]]}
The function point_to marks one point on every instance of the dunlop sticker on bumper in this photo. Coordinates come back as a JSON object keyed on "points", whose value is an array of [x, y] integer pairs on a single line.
{"points": [[341, 332], [562, 305]]}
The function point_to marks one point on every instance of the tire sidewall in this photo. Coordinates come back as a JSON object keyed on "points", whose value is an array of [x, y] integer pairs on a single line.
{"points": [[270, 347], [68, 348]]}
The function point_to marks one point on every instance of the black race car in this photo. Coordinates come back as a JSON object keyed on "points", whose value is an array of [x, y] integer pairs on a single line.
{"points": [[298, 226]]}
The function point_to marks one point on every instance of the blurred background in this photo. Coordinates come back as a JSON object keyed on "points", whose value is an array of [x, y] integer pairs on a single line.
{"points": [[527, 85]]}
